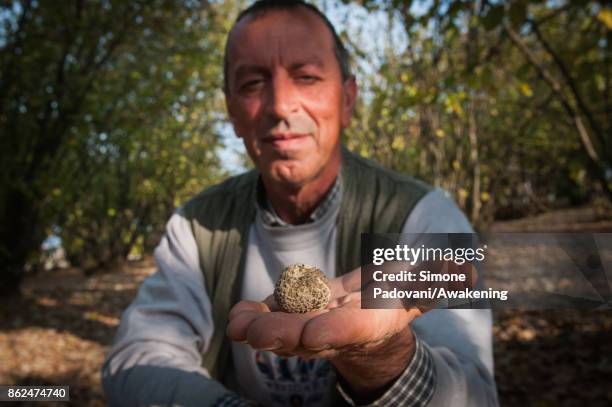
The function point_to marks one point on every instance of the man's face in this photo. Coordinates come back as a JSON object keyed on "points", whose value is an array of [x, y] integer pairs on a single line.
{"points": [[285, 95]]}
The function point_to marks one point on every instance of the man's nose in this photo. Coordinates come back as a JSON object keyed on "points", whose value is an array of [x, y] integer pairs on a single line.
{"points": [[282, 99]]}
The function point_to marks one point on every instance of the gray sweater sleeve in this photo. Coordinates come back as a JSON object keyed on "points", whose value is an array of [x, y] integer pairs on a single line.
{"points": [[460, 340], [156, 355]]}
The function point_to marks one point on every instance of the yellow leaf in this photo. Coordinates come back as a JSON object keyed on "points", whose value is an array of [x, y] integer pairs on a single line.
{"points": [[398, 143], [484, 197], [452, 105], [106, 320], [410, 90], [439, 133], [525, 89], [458, 109], [462, 193], [111, 212], [456, 165], [605, 16]]}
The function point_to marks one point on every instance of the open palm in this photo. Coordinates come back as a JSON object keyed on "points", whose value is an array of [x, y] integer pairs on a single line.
{"points": [[342, 327]]}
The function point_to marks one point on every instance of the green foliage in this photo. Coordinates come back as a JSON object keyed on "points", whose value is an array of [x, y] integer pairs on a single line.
{"points": [[107, 119], [503, 123]]}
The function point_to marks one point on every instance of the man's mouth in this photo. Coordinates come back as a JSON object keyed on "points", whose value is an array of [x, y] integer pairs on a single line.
{"points": [[283, 136], [285, 140]]}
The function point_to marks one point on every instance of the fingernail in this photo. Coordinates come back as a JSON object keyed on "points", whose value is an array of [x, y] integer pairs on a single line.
{"points": [[338, 302], [346, 299], [321, 348], [277, 345]]}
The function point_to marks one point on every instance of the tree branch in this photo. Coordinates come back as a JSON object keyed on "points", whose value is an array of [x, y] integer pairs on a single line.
{"points": [[571, 83], [596, 166]]}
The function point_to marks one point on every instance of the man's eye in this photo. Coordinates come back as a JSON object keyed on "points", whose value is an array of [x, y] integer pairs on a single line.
{"points": [[307, 78], [251, 85]]}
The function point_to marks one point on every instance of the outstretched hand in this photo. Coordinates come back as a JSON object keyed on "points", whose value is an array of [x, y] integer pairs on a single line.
{"points": [[342, 327], [370, 348]]}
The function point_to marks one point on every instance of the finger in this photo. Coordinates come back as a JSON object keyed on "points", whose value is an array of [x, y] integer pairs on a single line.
{"points": [[473, 273], [270, 301], [342, 327], [248, 306], [238, 326], [306, 354], [352, 300], [309, 354], [277, 331], [345, 284]]}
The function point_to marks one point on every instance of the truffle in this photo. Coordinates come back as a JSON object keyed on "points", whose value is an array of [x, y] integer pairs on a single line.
{"points": [[302, 288]]}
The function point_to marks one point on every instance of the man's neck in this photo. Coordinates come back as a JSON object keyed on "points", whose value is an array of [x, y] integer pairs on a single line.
{"points": [[294, 205]]}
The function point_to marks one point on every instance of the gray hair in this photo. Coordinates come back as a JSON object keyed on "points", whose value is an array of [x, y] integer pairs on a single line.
{"points": [[260, 7]]}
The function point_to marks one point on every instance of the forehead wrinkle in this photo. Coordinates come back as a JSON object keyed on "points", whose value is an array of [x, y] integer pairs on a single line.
{"points": [[252, 32]]}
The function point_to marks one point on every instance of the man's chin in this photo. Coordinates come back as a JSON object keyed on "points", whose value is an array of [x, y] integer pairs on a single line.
{"points": [[292, 181], [288, 174]]}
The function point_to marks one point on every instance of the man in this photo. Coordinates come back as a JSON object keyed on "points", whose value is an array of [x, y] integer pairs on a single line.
{"points": [[289, 94]]}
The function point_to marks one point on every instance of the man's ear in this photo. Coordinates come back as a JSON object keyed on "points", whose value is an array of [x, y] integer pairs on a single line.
{"points": [[228, 108], [349, 97], [228, 105]]}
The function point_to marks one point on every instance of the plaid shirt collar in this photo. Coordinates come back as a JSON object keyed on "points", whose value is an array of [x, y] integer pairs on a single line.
{"points": [[271, 218]]}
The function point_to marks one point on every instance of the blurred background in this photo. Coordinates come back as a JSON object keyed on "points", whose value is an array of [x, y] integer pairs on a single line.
{"points": [[112, 115]]}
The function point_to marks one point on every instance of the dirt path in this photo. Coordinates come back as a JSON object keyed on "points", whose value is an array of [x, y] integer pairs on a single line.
{"points": [[58, 333], [555, 357]]}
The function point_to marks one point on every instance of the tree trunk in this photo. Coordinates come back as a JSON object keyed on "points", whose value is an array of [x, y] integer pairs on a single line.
{"points": [[475, 163], [19, 233]]}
